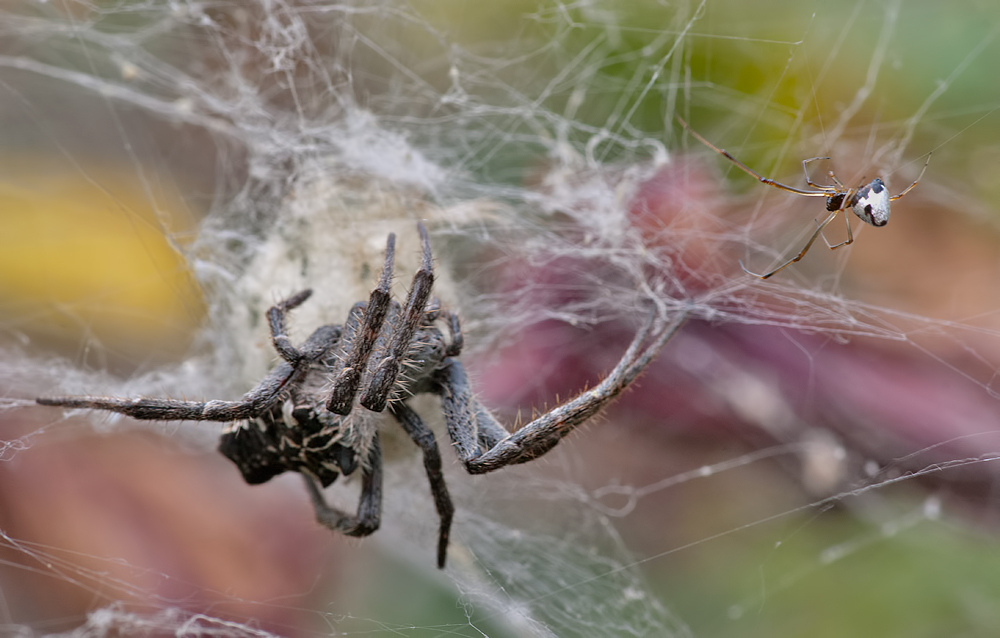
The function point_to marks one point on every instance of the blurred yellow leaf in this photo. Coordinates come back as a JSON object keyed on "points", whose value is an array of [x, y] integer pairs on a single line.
{"points": [[85, 255]]}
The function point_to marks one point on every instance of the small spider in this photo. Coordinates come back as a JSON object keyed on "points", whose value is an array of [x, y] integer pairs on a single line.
{"points": [[316, 411], [869, 201]]}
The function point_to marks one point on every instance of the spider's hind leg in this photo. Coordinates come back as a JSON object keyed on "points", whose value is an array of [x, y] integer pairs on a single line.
{"points": [[369, 513], [472, 428]]}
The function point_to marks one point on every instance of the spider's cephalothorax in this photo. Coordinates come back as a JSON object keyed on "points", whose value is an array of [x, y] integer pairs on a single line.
{"points": [[870, 202], [316, 412]]}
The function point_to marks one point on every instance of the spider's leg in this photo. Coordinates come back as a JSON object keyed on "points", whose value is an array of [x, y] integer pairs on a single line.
{"points": [[369, 514], [424, 437], [809, 181], [838, 185], [910, 187], [383, 377], [319, 343], [746, 169], [345, 385], [805, 249], [276, 320], [455, 332], [253, 403], [846, 242], [158, 409], [280, 378], [471, 427], [544, 432]]}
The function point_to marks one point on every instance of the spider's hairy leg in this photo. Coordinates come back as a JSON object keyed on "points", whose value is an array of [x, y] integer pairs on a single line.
{"points": [[352, 329], [276, 320], [424, 437], [383, 378], [544, 432], [382, 341], [319, 342], [369, 513], [345, 385], [434, 312], [253, 403], [471, 427], [157, 409], [456, 340]]}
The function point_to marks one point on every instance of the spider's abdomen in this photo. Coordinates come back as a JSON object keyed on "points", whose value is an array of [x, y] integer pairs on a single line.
{"points": [[253, 451], [871, 203], [287, 439]]}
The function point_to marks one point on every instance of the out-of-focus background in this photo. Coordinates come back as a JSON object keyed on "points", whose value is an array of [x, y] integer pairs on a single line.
{"points": [[814, 453]]}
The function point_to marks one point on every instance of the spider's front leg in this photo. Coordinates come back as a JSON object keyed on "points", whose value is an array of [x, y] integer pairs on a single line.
{"points": [[253, 403], [383, 374], [484, 445]]}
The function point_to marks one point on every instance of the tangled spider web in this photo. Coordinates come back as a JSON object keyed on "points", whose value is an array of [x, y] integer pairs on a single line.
{"points": [[236, 152]]}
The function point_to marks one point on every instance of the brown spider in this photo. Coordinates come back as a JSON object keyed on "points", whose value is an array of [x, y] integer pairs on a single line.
{"points": [[869, 201], [316, 411]]}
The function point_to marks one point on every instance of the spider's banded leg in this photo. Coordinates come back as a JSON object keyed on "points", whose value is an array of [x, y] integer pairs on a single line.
{"points": [[345, 385], [543, 433], [802, 253], [383, 377], [276, 319], [424, 437], [369, 514]]}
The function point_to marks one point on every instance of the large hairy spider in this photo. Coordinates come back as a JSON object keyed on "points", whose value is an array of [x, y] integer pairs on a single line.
{"points": [[316, 411]]}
